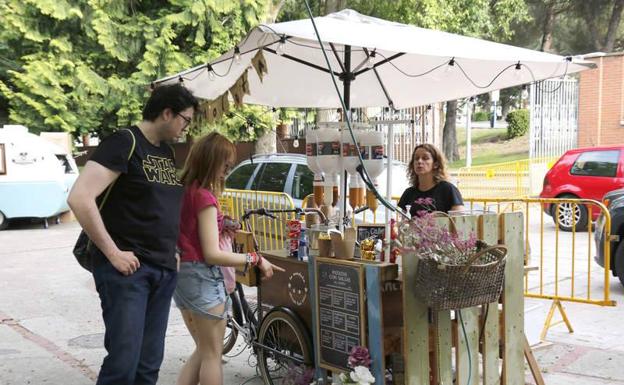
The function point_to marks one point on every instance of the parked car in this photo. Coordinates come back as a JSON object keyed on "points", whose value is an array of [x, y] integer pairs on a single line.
{"points": [[289, 173], [614, 201], [586, 173]]}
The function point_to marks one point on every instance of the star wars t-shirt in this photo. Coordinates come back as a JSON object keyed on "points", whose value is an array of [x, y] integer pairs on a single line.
{"points": [[142, 211]]}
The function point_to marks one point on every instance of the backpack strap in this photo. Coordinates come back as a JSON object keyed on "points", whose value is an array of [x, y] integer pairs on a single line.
{"points": [[110, 187]]}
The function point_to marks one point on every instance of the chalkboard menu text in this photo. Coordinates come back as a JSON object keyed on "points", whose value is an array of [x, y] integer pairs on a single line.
{"points": [[341, 312]]}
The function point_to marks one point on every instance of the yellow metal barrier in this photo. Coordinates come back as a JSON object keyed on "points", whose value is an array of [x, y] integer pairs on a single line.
{"points": [[565, 269], [270, 233], [503, 180]]}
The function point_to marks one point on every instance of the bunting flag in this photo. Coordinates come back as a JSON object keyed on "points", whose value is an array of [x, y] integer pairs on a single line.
{"points": [[260, 65], [211, 111], [237, 93]]}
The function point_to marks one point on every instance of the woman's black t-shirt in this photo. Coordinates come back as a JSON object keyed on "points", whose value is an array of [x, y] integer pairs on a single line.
{"points": [[444, 195], [142, 211]]}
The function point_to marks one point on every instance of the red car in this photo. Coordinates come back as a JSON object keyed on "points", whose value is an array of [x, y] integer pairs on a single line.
{"points": [[587, 173]]}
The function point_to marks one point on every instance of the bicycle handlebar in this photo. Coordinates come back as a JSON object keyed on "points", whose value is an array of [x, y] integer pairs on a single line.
{"points": [[269, 212]]}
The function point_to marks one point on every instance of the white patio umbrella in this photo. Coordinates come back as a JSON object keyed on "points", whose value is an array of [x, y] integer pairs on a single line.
{"points": [[380, 63]]}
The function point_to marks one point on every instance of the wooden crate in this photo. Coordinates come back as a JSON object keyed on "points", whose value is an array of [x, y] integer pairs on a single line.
{"points": [[243, 243]]}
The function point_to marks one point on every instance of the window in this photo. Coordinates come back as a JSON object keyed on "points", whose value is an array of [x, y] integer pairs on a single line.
{"points": [[302, 182], [2, 160], [238, 178], [596, 163], [272, 177]]}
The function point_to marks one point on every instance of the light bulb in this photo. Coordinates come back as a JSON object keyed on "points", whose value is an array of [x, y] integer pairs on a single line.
{"points": [[370, 62], [280, 48], [296, 143], [211, 74], [237, 55], [450, 67], [518, 71]]}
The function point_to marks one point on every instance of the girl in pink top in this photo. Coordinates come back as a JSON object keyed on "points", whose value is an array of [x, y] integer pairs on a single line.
{"points": [[200, 292]]}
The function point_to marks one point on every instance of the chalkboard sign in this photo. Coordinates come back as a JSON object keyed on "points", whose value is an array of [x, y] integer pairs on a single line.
{"points": [[341, 313], [370, 231]]}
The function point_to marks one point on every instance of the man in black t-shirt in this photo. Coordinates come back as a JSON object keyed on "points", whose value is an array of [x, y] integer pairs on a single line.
{"points": [[135, 233]]}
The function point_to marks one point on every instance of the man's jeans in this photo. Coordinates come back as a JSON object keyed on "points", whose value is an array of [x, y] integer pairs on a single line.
{"points": [[135, 309]]}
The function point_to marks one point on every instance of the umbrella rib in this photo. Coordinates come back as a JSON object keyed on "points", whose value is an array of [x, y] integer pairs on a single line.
{"points": [[384, 61], [333, 47], [300, 61]]}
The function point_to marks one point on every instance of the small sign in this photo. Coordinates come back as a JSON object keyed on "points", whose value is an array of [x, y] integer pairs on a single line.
{"points": [[341, 310], [365, 231]]}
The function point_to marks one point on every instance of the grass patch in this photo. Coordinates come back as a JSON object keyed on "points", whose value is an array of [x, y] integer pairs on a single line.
{"points": [[491, 146]]}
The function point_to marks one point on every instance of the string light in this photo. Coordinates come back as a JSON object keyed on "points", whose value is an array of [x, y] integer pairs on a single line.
{"points": [[370, 63], [280, 46], [211, 73], [518, 71], [237, 55], [450, 67]]}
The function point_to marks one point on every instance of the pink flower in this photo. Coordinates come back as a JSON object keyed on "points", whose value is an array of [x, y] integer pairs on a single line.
{"points": [[359, 356]]}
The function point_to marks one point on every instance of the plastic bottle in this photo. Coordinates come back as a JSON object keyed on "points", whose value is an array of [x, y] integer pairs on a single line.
{"points": [[302, 253]]}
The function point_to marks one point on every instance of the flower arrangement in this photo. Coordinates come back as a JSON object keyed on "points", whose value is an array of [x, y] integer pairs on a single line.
{"points": [[422, 236], [359, 361]]}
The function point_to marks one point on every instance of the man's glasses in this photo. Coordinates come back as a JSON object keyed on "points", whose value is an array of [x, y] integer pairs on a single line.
{"points": [[186, 119]]}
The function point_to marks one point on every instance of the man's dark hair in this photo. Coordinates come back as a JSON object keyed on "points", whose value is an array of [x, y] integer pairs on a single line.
{"points": [[173, 96]]}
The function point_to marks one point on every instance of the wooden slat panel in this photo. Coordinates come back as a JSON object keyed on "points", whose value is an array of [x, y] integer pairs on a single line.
{"points": [[444, 340], [488, 232], [467, 351], [445, 344], [375, 323], [512, 230], [416, 330]]}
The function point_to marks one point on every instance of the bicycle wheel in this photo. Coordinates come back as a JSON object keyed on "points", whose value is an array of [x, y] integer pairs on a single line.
{"points": [[284, 342]]}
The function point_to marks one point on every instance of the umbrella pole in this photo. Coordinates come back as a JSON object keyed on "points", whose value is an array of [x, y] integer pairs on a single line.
{"points": [[346, 82]]}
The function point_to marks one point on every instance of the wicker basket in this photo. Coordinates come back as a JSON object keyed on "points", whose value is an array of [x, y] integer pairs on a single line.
{"points": [[445, 287]]}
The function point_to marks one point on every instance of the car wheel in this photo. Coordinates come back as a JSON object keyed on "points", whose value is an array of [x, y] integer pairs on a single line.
{"points": [[619, 262], [570, 215], [4, 221]]}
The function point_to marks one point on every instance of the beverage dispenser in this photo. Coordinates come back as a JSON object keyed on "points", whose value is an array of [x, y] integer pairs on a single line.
{"points": [[312, 159]]}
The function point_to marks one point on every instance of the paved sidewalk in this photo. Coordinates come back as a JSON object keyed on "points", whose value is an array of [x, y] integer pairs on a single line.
{"points": [[51, 330]]}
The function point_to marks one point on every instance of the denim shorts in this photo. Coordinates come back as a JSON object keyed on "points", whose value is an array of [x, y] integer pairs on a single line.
{"points": [[200, 288]]}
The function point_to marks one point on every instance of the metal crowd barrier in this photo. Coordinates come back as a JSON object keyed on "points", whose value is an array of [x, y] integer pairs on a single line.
{"points": [[515, 179], [560, 264], [270, 233]]}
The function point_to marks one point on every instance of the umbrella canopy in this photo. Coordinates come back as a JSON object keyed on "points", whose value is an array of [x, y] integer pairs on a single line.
{"points": [[380, 63]]}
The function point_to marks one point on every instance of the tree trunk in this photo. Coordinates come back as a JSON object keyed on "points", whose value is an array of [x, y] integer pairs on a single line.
{"points": [[614, 24], [547, 28], [590, 13], [274, 9], [334, 6], [449, 132]]}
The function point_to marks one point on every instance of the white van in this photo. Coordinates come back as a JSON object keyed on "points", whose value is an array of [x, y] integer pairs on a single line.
{"points": [[35, 176]]}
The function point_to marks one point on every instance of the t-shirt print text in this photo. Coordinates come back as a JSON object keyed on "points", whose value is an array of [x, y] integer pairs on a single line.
{"points": [[160, 170]]}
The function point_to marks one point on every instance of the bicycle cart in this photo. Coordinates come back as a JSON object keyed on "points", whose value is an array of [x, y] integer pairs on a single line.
{"points": [[407, 342]]}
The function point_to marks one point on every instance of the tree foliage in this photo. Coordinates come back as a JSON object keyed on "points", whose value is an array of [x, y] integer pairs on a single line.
{"points": [[86, 65]]}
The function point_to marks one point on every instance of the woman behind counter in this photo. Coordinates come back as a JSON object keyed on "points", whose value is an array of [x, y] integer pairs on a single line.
{"points": [[428, 177], [200, 293]]}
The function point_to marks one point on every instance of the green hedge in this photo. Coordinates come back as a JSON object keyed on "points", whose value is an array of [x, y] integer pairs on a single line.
{"points": [[481, 116], [518, 123]]}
